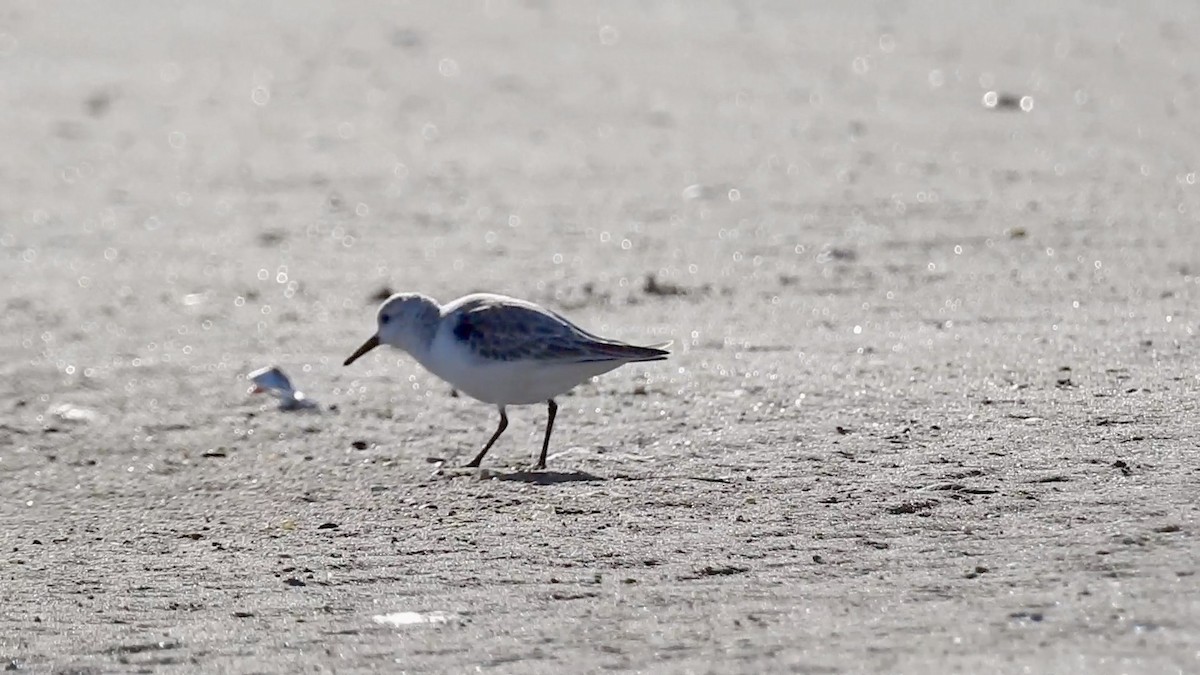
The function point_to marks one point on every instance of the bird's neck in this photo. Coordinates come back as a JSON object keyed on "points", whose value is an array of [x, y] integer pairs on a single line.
{"points": [[423, 330]]}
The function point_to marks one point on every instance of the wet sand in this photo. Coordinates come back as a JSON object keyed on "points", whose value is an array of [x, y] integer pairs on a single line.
{"points": [[932, 405]]}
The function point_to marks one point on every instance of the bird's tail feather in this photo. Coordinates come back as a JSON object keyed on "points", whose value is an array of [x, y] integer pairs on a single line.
{"points": [[611, 351]]}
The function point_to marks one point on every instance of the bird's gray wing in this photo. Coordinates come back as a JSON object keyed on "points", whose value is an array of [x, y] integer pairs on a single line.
{"points": [[518, 332]]}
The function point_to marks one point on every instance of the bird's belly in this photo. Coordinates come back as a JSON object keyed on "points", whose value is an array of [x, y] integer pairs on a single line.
{"points": [[510, 382]]}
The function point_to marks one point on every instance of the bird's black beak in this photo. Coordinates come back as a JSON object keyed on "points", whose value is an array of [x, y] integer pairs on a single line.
{"points": [[367, 346]]}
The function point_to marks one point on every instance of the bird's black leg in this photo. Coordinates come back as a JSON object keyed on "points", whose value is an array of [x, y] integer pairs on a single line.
{"points": [[499, 430], [549, 427]]}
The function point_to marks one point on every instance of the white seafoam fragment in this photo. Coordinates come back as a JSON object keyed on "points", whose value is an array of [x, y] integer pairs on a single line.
{"points": [[399, 619], [272, 380], [74, 414]]}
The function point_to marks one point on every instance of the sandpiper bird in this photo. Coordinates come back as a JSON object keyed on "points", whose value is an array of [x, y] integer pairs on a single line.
{"points": [[500, 350]]}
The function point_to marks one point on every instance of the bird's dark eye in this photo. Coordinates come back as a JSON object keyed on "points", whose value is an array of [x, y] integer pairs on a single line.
{"points": [[384, 319]]}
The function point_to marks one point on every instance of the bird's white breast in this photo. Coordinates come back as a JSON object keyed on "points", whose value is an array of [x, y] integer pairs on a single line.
{"points": [[504, 382]]}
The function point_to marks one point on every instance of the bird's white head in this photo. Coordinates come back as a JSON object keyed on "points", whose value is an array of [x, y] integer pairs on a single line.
{"points": [[406, 321]]}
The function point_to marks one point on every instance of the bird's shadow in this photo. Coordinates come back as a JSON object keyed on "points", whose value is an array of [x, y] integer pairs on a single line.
{"points": [[545, 477], [530, 476]]}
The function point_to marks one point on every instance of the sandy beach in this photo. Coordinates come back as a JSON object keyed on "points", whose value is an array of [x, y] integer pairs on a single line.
{"points": [[932, 402]]}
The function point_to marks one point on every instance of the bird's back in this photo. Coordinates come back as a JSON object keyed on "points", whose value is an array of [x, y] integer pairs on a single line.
{"points": [[497, 327]]}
